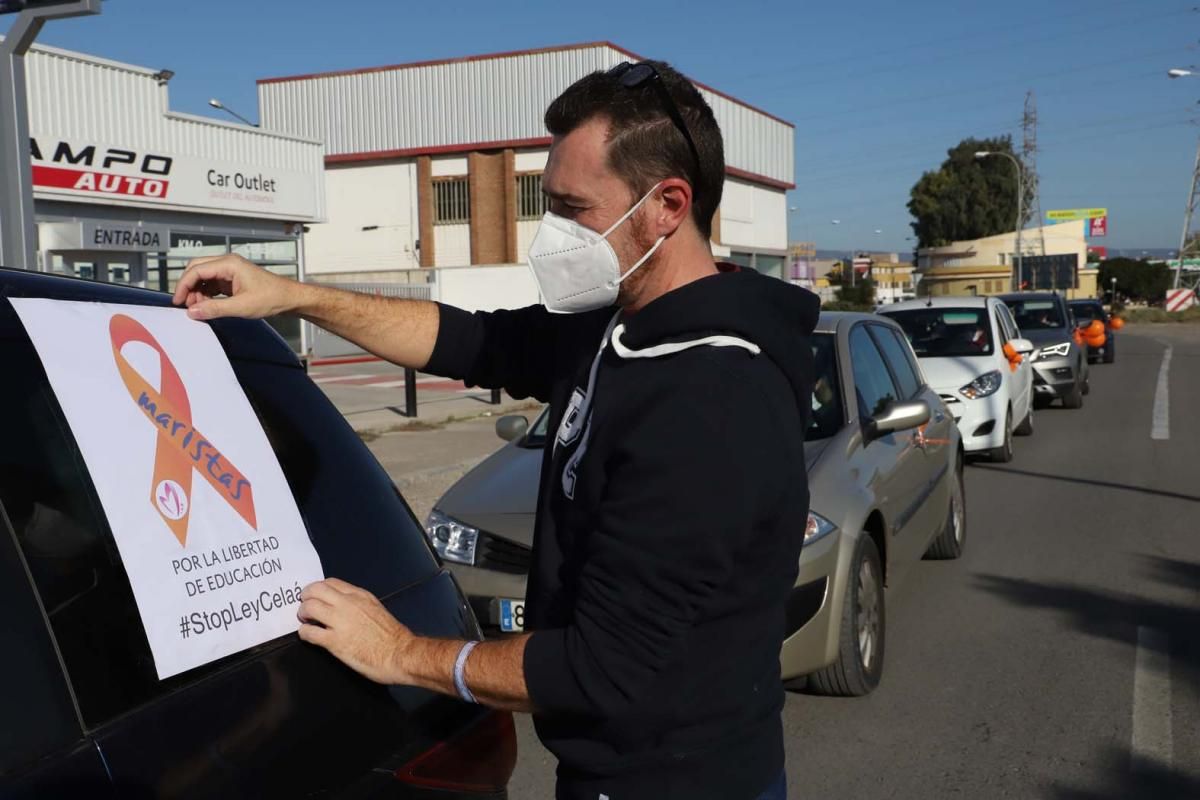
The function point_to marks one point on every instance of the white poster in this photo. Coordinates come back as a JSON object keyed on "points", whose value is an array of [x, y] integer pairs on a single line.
{"points": [[204, 519]]}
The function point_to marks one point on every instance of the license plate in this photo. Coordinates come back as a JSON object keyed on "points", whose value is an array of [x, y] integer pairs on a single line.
{"points": [[512, 615]]}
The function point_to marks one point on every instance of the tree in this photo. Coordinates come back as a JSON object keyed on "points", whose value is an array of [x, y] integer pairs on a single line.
{"points": [[966, 197], [1138, 280], [859, 297]]}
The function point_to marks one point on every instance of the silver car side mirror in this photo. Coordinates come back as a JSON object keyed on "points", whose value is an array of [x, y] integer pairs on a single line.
{"points": [[511, 427], [897, 417], [1022, 346]]}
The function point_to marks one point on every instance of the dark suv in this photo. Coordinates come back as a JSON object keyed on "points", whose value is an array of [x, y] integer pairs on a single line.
{"points": [[84, 712], [1087, 311], [1060, 365]]}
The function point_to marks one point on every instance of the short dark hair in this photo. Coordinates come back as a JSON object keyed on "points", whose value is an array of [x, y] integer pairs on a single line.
{"points": [[644, 146]]}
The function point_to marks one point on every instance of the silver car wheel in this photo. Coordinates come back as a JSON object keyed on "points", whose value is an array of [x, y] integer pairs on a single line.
{"points": [[957, 511], [868, 613]]}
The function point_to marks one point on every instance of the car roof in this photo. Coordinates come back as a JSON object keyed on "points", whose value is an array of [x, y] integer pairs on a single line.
{"points": [[1082, 301], [831, 321], [1011, 296], [241, 338], [948, 301]]}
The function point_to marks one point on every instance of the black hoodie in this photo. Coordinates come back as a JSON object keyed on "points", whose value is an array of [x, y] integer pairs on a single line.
{"points": [[672, 508]]}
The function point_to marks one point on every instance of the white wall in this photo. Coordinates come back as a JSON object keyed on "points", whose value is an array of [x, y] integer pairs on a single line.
{"points": [[448, 166], [531, 160], [487, 288], [451, 245], [382, 195], [753, 216], [526, 230]]}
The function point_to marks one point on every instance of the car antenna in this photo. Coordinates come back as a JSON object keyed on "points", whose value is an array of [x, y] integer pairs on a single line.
{"points": [[929, 301]]}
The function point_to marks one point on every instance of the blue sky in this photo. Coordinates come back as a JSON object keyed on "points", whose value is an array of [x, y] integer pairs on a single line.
{"points": [[878, 90]]}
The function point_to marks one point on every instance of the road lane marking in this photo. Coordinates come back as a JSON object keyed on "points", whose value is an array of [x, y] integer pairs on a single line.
{"points": [[1152, 746], [1161, 426]]}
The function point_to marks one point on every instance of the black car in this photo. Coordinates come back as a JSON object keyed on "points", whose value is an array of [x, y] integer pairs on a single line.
{"points": [[85, 713], [1086, 311], [1060, 364]]}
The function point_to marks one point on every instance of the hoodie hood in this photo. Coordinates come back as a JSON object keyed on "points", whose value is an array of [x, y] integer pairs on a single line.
{"points": [[734, 308]]}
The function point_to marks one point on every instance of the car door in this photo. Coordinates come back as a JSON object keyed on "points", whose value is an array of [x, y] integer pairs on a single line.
{"points": [[893, 466], [43, 751], [1021, 378], [255, 723], [926, 509]]}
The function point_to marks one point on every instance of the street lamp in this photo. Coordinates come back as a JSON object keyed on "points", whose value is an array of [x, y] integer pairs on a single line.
{"points": [[1187, 219], [1113, 301], [1020, 261], [215, 103]]}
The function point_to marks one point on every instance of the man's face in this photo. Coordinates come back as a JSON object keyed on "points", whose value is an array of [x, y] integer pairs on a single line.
{"points": [[581, 187]]}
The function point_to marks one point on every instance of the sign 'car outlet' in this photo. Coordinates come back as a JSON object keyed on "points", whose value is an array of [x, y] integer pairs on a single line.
{"points": [[73, 169]]}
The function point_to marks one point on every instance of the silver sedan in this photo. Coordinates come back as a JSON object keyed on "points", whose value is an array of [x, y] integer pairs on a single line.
{"points": [[885, 474]]}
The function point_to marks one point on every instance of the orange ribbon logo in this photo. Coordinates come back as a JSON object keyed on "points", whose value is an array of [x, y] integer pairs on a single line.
{"points": [[181, 448]]}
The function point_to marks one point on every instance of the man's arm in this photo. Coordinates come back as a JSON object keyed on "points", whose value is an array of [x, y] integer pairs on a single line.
{"points": [[516, 350], [401, 331], [354, 626]]}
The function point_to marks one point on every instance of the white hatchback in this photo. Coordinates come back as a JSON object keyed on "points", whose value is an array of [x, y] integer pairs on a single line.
{"points": [[973, 356]]}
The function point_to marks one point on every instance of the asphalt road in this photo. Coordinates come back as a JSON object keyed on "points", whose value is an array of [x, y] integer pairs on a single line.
{"points": [[1060, 657]]}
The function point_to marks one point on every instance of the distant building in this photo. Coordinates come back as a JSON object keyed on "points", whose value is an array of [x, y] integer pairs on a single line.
{"points": [[893, 279], [987, 265]]}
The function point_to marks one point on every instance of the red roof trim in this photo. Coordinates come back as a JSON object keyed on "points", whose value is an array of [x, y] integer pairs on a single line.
{"points": [[507, 54], [542, 141], [441, 150]]}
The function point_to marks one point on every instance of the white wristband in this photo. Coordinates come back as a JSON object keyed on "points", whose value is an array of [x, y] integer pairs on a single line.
{"points": [[460, 668]]}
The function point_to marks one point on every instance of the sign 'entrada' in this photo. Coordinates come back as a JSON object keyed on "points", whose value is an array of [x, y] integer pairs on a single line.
{"points": [[71, 168]]}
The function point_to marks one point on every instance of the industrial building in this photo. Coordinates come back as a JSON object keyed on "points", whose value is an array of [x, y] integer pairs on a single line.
{"points": [[438, 164]]}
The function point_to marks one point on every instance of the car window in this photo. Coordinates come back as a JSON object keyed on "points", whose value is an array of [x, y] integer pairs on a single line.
{"points": [[1010, 325], [893, 350], [32, 687], [1005, 332], [357, 521], [536, 437], [827, 411], [1037, 315], [872, 381], [66, 542], [945, 332], [1087, 312]]}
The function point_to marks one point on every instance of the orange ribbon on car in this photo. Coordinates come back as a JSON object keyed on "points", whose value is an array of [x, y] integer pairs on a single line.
{"points": [[181, 448], [1014, 358]]}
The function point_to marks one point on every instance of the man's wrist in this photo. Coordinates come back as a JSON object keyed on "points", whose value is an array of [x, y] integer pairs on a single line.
{"points": [[303, 299]]}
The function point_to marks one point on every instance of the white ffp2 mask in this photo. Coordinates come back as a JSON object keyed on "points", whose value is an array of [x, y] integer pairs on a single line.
{"points": [[575, 267]]}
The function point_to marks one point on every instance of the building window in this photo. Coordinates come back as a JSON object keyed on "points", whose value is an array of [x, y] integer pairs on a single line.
{"points": [[451, 201], [531, 203]]}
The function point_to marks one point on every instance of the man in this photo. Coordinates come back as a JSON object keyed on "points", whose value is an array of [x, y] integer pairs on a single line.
{"points": [[674, 498]]}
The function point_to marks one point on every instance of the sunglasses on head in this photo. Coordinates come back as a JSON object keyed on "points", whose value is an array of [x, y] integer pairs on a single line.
{"points": [[635, 76]]}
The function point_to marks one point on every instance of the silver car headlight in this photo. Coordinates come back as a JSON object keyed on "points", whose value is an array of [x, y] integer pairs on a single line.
{"points": [[453, 540], [1055, 350], [818, 527], [986, 384]]}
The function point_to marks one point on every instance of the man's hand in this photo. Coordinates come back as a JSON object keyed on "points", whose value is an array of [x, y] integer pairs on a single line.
{"points": [[357, 630], [250, 291]]}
